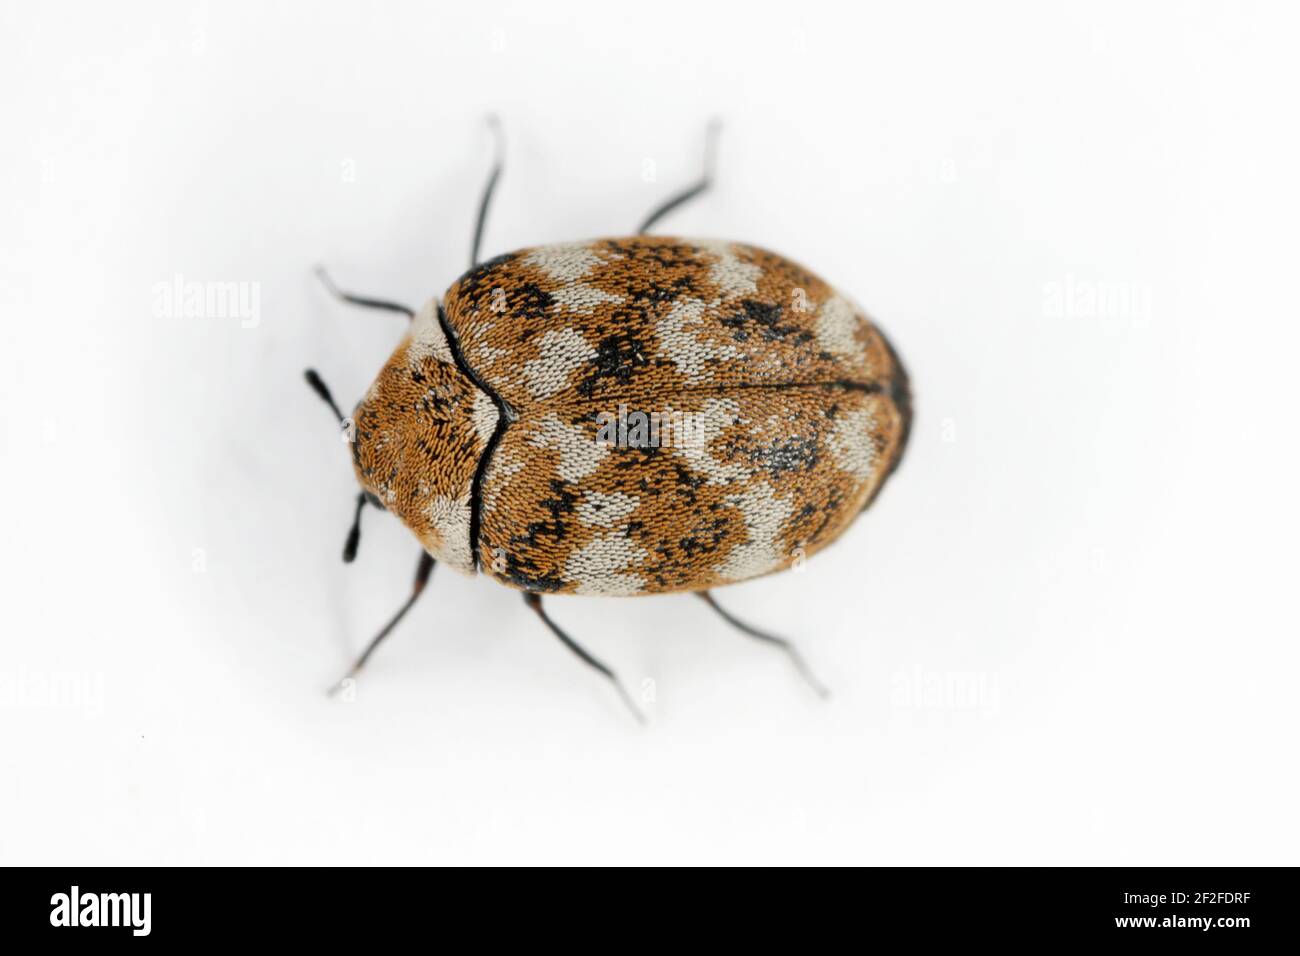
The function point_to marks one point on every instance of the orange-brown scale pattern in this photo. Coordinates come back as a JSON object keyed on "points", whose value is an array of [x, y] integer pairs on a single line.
{"points": [[803, 407], [420, 433]]}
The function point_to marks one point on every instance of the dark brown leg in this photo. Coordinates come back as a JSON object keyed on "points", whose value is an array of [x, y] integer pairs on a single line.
{"points": [[361, 300], [704, 182], [534, 601], [498, 163], [322, 390], [354, 532], [422, 572], [791, 651]]}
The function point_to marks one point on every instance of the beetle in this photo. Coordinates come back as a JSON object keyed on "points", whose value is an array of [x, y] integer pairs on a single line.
{"points": [[626, 416]]}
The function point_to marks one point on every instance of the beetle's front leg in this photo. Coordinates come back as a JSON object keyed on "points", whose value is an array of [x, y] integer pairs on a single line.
{"points": [[422, 572]]}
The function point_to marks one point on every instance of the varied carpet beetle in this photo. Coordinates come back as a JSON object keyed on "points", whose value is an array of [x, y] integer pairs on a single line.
{"points": [[627, 416]]}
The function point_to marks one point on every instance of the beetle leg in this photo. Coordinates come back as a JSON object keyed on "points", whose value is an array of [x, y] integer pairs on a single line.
{"points": [[705, 181], [361, 300], [322, 390], [793, 652], [354, 533], [498, 161], [534, 601], [422, 572]]}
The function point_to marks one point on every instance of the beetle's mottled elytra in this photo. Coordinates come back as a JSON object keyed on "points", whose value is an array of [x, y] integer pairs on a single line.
{"points": [[482, 432], [629, 416]]}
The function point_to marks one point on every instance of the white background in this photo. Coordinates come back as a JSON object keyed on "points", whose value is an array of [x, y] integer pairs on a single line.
{"points": [[1066, 632]]}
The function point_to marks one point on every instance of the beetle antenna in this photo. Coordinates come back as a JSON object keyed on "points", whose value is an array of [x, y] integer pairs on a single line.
{"points": [[534, 601], [704, 182], [318, 386], [354, 533], [361, 300], [422, 572], [791, 651], [498, 163]]}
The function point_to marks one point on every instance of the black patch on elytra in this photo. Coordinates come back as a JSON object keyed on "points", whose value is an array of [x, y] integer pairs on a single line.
{"points": [[524, 573], [687, 482], [536, 530], [529, 301], [561, 503], [630, 457], [659, 293], [436, 402], [762, 319], [617, 358], [665, 255], [796, 453], [671, 568], [649, 277], [474, 292], [803, 527], [475, 286], [704, 538]]}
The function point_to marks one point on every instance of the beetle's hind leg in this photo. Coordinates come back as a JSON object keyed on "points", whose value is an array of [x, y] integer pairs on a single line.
{"points": [[422, 572], [686, 195], [534, 601], [791, 651]]}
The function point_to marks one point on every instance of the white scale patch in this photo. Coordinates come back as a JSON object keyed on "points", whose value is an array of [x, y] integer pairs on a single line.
{"points": [[567, 263], [564, 261], [577, 297], [561, 351], [837, 328], [717, 415], [601, 510], [502, 469], [681, 346], [851, 442], [450, 518], [487, 356], [730, 274], [602, 566], [765, 514], [485, 417], [427, 340], [580, 453]]}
